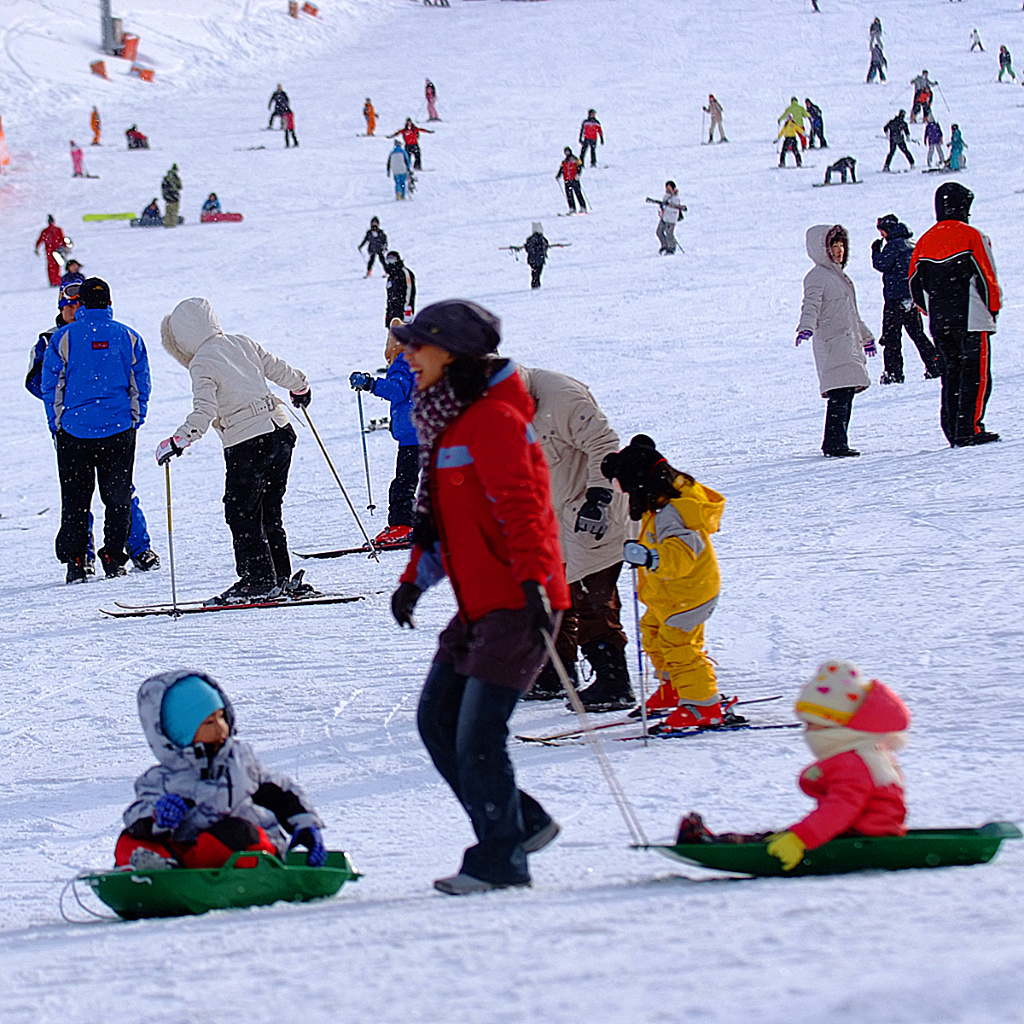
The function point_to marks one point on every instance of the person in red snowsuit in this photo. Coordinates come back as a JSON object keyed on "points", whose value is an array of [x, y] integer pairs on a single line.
{"points": [[411, 137], [52, 238], [569, 171], [590, 132]]}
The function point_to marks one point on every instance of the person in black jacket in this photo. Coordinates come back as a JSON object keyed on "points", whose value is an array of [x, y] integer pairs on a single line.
{"points": [[378, 244], [280, 104], [401, 301], [817, 125], [898, 133], [536, 247], [890, 256]]}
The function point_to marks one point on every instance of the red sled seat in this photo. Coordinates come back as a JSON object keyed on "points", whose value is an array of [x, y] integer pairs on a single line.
{"points": [[214, 218]]}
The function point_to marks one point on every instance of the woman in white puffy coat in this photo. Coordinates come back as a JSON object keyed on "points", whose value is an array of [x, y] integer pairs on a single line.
{"points": [[841, 339]]}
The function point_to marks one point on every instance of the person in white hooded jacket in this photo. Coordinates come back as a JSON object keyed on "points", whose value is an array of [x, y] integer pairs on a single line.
{"points": [[229, 390]]}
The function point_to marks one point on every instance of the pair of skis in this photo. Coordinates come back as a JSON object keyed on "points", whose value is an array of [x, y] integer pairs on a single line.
{"points": [[135, 611]]}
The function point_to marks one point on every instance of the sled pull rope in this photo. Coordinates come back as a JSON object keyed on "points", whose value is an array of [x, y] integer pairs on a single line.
{"points": [[629, 816], [94, 918]]}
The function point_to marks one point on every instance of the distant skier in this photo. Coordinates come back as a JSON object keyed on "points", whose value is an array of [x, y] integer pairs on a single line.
{"points": [[280, 104], [288, 121], [933, 140], [878, 64], [377, 242], [51, 238], [714, 109], [841, 167], [371, 116], [411, 137], [72, 275], [590, 132], [431, 94], [671, 209], [976, 41], [789, 132], [94, 124], [569, 171], [1005, 63], [398, 168], [875, 33], [898, 133], [817, 125], [956, 149], [171, 188], [798, 114], [890, 256], [922, 96], [401, 290], [536, 247], [77, 165], [136, 140]]}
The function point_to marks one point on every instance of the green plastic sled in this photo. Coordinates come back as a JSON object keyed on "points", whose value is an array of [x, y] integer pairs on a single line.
{"points": [[922, 848], [108, 216], [176, 892]]}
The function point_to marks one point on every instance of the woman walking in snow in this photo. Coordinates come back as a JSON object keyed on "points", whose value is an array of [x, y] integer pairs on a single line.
{"points": [[841, 339]]}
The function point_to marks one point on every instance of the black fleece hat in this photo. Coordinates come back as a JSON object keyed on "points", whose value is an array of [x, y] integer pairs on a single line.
{"points": [[632, 466], [94, 293], [953, 202], [887, 223], [456, 325]]}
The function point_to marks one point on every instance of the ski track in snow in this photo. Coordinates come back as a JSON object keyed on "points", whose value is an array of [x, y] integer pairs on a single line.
{"points": [[907, 560]]}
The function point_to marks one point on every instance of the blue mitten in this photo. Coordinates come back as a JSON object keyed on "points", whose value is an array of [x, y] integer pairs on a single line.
{"points": [[169, 811], [311, 838]]}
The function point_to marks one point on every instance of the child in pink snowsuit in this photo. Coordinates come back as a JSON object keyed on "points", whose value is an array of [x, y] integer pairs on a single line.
{"points": [[76, 160], [854, 726]]}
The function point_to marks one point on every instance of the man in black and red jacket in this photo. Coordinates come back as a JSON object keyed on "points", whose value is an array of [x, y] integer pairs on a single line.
{"points": [[953, 280]]}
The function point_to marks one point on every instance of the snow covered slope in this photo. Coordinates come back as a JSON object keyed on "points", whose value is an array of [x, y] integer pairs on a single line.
{"points": [[907, 560]]}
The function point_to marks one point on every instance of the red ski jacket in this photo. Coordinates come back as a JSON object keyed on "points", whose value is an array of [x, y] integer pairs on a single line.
{"points": [[570, 169], [411, 136], [52, 237], [591, 129], [491, 499]]}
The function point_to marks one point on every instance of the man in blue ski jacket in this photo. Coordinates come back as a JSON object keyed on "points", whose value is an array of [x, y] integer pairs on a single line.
{"points": [[96, 389]]}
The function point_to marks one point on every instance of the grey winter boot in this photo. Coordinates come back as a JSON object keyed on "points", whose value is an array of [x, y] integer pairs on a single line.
{"points": [[611, 690]]}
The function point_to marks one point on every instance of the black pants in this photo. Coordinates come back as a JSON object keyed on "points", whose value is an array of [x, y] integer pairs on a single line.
{"points": [[896, 320], [965, 358], [255, 479], [413, 153], [535, 272], [594, 616], [402, 492], [590, 144], [376, 255], [817, 132], [902, 147], [875, 69], [837, 419], [841, 171], [291, 132], [789, 146], [574, 192], [81, 463]]}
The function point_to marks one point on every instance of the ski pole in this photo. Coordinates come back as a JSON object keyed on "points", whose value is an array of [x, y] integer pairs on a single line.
{"points": [[359, 522], [636, 830], [641, 664], [366, 458], [170, 543], [702, 126], [942, 94]]}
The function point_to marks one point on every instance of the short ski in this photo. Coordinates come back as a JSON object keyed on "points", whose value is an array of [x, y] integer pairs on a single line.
{"points": [[194, 607], [822, 184], [363, 550], [657, 733]]}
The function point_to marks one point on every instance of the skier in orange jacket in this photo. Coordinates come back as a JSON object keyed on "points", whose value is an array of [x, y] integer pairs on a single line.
{"points": [[94, 123], [371, 116]]}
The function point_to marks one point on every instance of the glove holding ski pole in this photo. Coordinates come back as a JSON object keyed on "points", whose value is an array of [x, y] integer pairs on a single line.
{"points": [[642, 557], [538, 602], [301, 399], [360, 381], [166, 450]]}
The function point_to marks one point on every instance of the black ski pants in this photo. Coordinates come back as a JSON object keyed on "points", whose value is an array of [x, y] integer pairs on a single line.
{"points": [[376, 254], [590, 144], [255, 479], [896, 320], [402, 492], [789, 146], [817, 132], [965, 357], [837, 419], [875, 69], [413, 153], [899, 144], [574, 192], [81, 463], [291, 132], [535, 272]]}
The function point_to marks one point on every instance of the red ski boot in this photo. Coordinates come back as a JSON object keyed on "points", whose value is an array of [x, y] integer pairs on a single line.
{"points": [[393, 536], [663, 699]]}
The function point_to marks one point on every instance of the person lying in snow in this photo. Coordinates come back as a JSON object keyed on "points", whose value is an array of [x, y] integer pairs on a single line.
{"points": [[854, 727], [209, 796]]}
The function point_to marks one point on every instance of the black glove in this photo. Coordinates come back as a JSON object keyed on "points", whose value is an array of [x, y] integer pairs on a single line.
{"points": [[537, 601], [876, 245], [403, 601], [593, 514], [301, 399]]}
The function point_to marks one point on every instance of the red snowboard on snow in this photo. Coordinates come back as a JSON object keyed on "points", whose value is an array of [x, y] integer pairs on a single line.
{"points": [[215, 218]]}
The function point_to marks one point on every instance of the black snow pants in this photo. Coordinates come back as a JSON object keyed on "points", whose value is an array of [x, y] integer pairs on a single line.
{"points": [[574, 192], [899, 144], [402, 492], [590, 144], [413, 153], [535, 272], [837, 419], [896, 320], [789, 146], [966, 382], [256, 477]]}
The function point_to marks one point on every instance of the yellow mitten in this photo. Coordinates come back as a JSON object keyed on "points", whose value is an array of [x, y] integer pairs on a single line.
{"points": [[788, 847]]}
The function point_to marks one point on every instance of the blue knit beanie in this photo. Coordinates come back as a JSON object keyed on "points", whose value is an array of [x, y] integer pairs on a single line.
{"points": [[186, 705]]}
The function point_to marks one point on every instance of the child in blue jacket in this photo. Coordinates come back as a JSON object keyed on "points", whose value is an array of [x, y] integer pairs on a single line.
{"points": [[397, 388]]}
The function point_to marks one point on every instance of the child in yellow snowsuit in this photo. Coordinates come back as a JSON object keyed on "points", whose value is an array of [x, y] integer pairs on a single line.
{"points": [[678, 577]]}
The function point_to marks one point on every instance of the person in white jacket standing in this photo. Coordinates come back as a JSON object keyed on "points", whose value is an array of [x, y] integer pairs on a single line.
{"points": [[229, 390], [671, 209], [841, 339]]}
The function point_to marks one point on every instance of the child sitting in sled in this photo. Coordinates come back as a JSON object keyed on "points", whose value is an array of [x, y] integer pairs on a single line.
{"points": [[678, 579], [212, 205], [397, 388], [209, 796], [854, 727]]}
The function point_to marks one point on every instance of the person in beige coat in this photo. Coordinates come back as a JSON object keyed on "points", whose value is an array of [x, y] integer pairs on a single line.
{"points": [[841, 340], [575, 437], [229, 391]]}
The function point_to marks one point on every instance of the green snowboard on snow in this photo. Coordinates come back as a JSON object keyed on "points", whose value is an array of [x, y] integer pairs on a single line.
{"points": [[175, 892], [107, 216], [920, 848]]}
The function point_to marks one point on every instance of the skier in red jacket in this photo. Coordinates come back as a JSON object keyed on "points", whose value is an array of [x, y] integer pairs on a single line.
{"points": [[590, 132], [411, 137], [569, 170], [52, 239], [483, 519]]}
